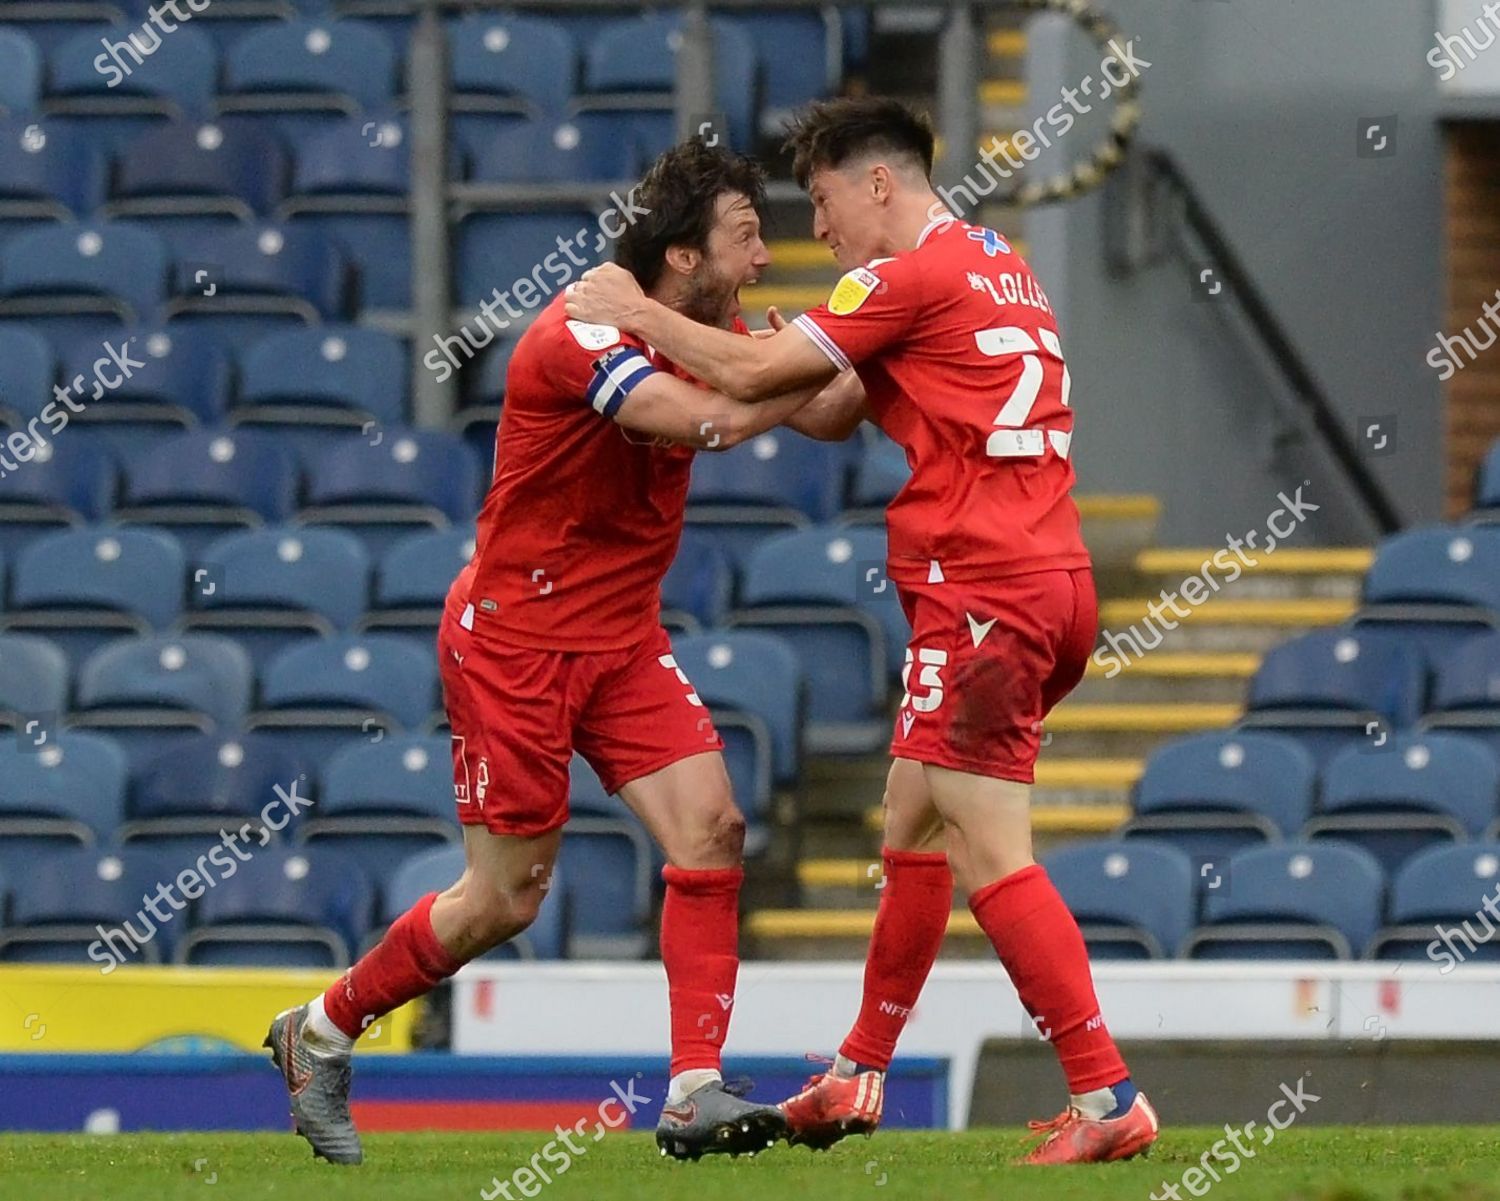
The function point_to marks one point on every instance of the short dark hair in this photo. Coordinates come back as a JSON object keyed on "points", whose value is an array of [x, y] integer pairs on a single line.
{"points": [[681, 191], [829, 133]]}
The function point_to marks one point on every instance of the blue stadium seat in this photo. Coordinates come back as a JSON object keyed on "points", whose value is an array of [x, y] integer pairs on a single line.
{"points": [[1213, 794], [1487, 488], [274, 588], [755, 674], [340, 378], [271, 272], [203, 484], [506, 63], [610, 864], [1405, 796], [495, 250], [20, 72], [28, 371], [351, 184], [1133, 900], [307, 74], [83, 587], [1334, 688], [66, 483], [824, 591], [583, 148], [328, 694], [195, 170], [1434, 587], [47, 173], [207, 783], [1438, 908], [83, 277], [793, 50], [436, 870], [84, 905], [381, 803], [697, 588], [776, 481], [410, 479], [58, 788], [880, 472], [282, 908], [33, 679], [412, 582], [138, 80], [1466, 691], [631, 58], [1290, 901]]}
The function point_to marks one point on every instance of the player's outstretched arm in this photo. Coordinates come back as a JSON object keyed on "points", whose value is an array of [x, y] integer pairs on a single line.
{"points": [[747, 369], [831, 414], [667, 407]]}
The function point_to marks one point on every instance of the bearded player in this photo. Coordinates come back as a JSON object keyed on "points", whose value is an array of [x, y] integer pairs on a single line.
{"points": [[958, 350], [551, 642]]}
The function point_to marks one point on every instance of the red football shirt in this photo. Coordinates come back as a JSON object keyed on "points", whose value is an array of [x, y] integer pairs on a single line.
{"points": [[583, 516], [957, 347]]}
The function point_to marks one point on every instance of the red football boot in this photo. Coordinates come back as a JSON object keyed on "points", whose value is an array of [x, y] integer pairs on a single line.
{"points": [[1073, 1138], [829, 1107]]}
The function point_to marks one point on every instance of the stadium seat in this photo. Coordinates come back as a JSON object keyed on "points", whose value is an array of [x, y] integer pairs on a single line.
{"points": [[776, 481], [436, 870], [381, 803], [1412, 792], [408, 480], [792, 47], [282, 908], [331, 382], [610, 863], [824, 591], [83, 587], [412, 582], [1438, 909], [1290, 901], [275, 587], [696, 590], [359, 201], [503, 63], [1433, 588], [1334, 688], [198, 170], [880, 472], [20, 72], [84, 905], [204, 484], [28, 372], [1132, 900], [1213, 794], [496, 250], [82, 278], [539, 150], [207, 783], [66, 483], [33, 680], [1466, 691], [272, 274], [47, 173], [331, 693], [145, 691], [57, 788]]}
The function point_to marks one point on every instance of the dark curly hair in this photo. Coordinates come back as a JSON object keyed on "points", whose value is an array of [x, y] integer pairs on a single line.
{"points": [[681, 191], [829, 133]]}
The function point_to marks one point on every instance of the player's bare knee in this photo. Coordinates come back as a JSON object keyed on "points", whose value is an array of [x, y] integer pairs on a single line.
{"points": [[716, 838]]}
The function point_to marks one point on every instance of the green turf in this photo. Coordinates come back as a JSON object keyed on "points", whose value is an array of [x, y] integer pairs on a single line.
{"points": [[1310, 1164]]}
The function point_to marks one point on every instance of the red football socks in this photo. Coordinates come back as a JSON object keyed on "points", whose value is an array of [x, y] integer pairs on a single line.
{"points": [[408, 962], [909, 926], [1041, 947], [700, 936]]}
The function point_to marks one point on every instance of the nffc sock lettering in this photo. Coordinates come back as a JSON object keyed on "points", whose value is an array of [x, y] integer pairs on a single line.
{"points": [[1041, 947], [700, 937], [407, 963], [909, 926]]}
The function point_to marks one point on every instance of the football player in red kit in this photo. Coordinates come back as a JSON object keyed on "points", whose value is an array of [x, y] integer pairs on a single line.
{"points": [[551, 642], [961, 361]]}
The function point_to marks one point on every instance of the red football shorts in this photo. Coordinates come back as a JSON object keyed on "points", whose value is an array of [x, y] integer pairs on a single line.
{"points": [[518, 714], [986, 664]]}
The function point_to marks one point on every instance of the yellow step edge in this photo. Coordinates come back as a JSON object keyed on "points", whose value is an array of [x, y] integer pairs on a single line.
{"points": [[790, 298], [1209, 665], [1218, 610], [834, 923], [1284, 560], [1006, 43], [1077, 718], [1045, 819], [1111, 507], [801, 253], [1058, 772], [1002, 93]]}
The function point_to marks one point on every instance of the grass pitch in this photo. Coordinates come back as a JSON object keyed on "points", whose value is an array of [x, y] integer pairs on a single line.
{"points": [[1312, 1164]]}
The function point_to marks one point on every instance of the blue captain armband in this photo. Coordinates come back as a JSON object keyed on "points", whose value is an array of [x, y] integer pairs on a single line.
{"points": [[616, 375]]}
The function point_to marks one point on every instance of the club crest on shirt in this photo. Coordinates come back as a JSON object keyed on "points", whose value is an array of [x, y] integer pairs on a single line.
{"points": [[852, 291], [593, 337]]}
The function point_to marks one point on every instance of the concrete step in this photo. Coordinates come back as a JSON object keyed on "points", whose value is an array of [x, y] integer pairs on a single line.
{"points": [[1335, 573], [1209, 677], [1127, 730], [1128, 632], [1117, 527]]}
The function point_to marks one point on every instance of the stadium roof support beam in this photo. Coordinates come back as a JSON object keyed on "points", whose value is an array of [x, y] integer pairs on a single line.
{"points": [[433, 402]]}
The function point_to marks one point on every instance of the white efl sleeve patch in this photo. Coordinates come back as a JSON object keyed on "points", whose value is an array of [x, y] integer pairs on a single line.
{"points": [[593, 337]]}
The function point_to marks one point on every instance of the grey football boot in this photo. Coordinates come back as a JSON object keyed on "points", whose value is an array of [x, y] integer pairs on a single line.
{"points": [[318, 1086], [716, 1120]]}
